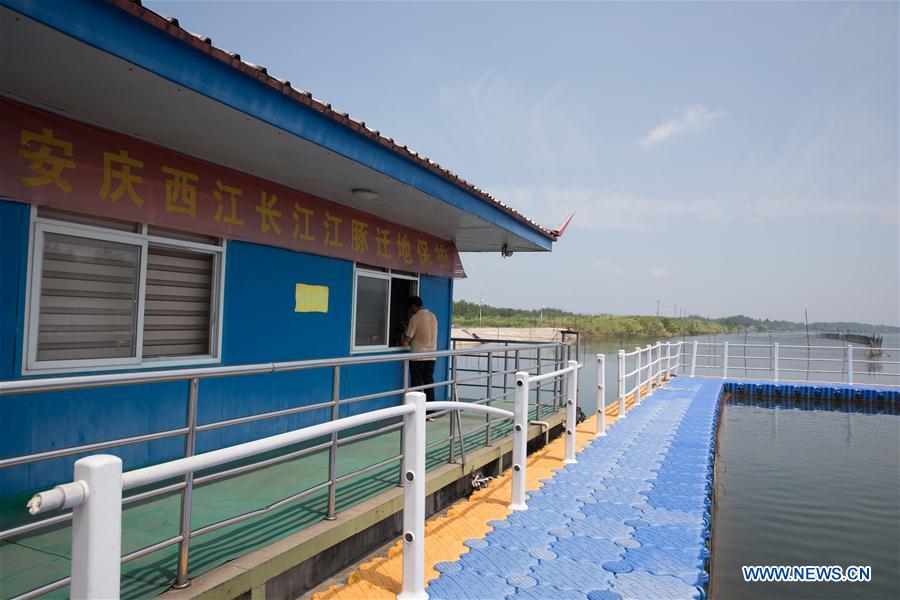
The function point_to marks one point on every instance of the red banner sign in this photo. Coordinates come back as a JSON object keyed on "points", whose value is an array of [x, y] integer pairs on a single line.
{"points": [[58, 162]]}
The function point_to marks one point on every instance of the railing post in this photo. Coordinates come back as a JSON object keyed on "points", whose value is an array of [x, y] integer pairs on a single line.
{"points": [[537, 387], [638, 384], [725, 360], [620, 384], [413, 587], [649, 368], [489, 388], [775, 362], [97, 528], [694, 359], [520, 442], [601, 395], [571, 411], [658, 363], [850, 364], [453, 396], [190, 445], [332, 450]]}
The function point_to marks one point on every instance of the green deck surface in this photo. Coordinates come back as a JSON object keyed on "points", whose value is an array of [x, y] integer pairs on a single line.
{"points": [[33, 560]]}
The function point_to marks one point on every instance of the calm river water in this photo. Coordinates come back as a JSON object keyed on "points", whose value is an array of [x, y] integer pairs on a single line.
{"points": [[806, 487]]}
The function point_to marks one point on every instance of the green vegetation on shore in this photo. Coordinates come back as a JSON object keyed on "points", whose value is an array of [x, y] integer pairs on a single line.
{"points": [[466, 314]]}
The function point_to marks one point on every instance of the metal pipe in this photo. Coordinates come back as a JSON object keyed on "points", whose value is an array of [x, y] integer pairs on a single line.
{"points": [[620, 384], [332, 451], [453, 374], [637, 383], [136, 439], [257, 465], [694, 360], [179, 467], [46, 384], [850, 364], [260, 511], [371, 468], [190, 441], [489, 389], [725, 361], [775, 350]]}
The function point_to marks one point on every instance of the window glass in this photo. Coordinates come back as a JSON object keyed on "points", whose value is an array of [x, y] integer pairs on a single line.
{"points": [[401, 290], [88, 298], [177, 304], [371, 311], [101, 298]]}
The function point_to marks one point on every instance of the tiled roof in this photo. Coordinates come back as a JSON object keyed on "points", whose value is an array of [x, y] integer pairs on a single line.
{"points": [[204, 44]]}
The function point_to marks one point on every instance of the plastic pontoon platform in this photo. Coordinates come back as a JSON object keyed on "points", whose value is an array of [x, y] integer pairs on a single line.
{"points": [[630, 520]]}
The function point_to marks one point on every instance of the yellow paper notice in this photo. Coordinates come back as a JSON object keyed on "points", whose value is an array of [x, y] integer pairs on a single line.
{"points": [[311, 298]]}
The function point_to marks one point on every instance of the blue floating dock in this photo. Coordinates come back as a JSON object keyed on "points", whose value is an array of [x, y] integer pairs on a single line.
{"points": [[630, 520]]}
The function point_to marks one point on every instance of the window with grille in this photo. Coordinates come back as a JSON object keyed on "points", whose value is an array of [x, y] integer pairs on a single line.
{"points": [[104, 297]]}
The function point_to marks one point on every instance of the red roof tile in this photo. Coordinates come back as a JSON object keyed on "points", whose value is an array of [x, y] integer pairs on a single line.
{"points": [[204, 44]]}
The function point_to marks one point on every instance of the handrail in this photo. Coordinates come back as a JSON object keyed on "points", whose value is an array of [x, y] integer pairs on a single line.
{"points": [[20, 386], [95, 494], [522, 353], [775, 361]]}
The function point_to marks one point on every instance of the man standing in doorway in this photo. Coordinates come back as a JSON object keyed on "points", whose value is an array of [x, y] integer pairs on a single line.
{"points": [[421, 336]]}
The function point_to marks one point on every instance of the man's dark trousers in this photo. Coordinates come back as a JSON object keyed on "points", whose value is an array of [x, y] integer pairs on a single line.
{"points": [[421, 372]]}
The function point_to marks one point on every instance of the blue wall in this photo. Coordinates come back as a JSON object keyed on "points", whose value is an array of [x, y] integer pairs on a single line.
{"points": [[259, 325]]}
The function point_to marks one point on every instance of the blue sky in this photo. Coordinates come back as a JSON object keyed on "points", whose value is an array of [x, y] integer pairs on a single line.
{"points": [[725, 157]]}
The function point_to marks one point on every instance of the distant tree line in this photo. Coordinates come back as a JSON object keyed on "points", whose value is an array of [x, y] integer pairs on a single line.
{"points": [[471, 314]]}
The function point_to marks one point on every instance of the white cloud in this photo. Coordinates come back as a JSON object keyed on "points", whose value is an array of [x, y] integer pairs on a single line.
{"points": [[606, 266], [659, 271], [692, 118]]}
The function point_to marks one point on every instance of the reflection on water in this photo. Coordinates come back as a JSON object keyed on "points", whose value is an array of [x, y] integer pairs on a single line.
{"points": [[801, 486]]}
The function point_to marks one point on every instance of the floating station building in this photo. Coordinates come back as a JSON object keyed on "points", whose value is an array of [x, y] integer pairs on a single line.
{"points": [[167, 207], [166, 204]]}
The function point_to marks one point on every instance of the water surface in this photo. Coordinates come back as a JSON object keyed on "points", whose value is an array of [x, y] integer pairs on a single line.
{"points": [[806, 487]]}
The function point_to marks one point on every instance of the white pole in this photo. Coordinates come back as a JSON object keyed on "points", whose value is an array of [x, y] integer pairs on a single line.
{"points": [[850, 364], [668, 360], [571, 412], [650, 374], [775, 361], [621, 384], [520, 442], [694, 360], [601, 395], [637, 383], [658, 363], [97, 528], [725, 360], [414, 500]]}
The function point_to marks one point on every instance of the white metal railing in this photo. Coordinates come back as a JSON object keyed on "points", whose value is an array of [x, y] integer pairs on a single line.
{"points": [[95, 494], [790, 362], [502, 359], [653, 364]]}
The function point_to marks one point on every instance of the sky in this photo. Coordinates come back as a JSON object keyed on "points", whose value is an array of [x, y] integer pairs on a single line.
{"points": [[725, 158]]}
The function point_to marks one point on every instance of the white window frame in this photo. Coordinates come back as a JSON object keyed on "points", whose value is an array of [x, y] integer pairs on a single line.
{"points": [[388, 275], [41, 225]]}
